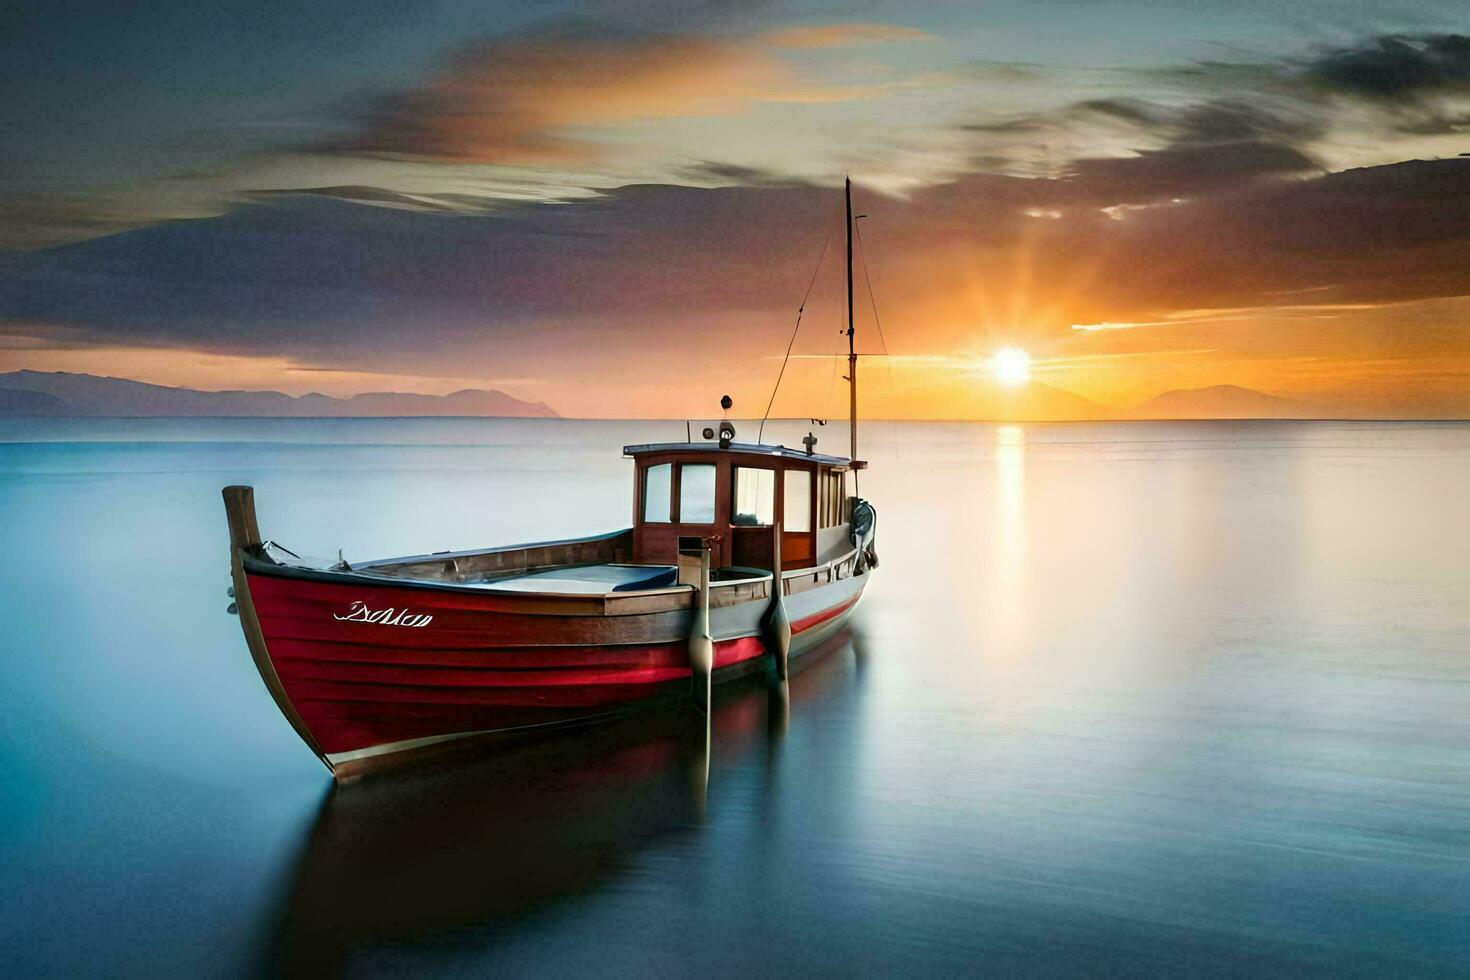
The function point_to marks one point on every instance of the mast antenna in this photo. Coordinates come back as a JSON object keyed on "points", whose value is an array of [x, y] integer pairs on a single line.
{"points": [[851, 350]]}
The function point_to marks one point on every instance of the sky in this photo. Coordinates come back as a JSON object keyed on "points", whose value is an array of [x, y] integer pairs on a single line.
{"points": [[618, 208]]}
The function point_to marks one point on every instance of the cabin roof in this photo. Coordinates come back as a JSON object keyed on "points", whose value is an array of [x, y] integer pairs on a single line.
{"points": [[743, 448]]}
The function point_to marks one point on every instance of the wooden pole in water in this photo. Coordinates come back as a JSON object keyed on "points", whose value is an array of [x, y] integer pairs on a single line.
{"points": [[778, 623], [701, 644]]}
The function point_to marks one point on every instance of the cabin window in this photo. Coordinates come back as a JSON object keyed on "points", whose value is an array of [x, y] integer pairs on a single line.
{"points": [[798, 511], [755, 497], [657, 481], [697, 493], [835, 499], [829, 504]]}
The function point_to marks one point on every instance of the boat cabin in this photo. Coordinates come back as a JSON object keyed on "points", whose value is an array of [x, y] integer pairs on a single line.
{"points": [[688, 492]]}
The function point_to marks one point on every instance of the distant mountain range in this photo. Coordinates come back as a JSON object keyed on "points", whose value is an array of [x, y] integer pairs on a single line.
{"points": [[1222, 402], [37, 393], [1033, 402], [61, 393], [1040, 402]]}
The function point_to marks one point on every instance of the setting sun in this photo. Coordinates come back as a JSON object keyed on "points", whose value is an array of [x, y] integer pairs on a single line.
{"points": [[1011, 366]]}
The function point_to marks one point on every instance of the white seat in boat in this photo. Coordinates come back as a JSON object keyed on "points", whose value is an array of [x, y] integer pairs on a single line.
{"points": [[592, 579]]}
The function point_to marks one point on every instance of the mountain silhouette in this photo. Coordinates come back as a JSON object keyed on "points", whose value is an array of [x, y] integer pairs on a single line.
{"points": [[1222, 402], [63, 393]]}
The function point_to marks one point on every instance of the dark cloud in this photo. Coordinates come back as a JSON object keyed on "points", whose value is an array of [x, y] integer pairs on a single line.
{"points": [[1378, 234], [335, 283], [1237, 121], [1395, 68], [1201, 147], [1134, 111], [41, 220], [1004, 127], [712, 172], [1207, 147], [1128, 112], [1420, 83], [1257, 118], [363, 195], [1188, 169]]}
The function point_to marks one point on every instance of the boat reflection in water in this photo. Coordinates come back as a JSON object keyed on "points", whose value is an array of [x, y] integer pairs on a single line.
{"points": [[478, 841]]}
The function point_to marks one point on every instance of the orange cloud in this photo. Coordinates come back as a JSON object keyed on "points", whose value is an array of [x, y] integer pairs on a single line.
{"points": [[520, 99], [843, 35], [515, 100]]}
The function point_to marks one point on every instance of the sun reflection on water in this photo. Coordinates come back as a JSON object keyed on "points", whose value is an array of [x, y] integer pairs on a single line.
{"points": [[1010, 529]]}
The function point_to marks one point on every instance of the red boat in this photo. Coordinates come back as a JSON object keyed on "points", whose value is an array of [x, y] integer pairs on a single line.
{"points": [[739, 557]]}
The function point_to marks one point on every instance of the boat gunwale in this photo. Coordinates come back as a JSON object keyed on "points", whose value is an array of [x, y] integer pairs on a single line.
{"points": [[495, 550], [259, 562], [264, 566]]}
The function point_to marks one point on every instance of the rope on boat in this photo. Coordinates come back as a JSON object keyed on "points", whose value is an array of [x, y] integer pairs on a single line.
{"points": [[794, 330], [882, 341], [872, 301], [276, 544]]}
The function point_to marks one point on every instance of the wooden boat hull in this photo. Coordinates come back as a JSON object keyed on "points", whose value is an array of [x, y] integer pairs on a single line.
{"points": [[481, 664]]}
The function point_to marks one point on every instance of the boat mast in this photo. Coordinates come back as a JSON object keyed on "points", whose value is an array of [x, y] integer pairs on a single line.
{"points": [[851, 352]]}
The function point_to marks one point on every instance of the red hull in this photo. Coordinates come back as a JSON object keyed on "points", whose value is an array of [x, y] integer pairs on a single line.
{"points": [[476, 664]]}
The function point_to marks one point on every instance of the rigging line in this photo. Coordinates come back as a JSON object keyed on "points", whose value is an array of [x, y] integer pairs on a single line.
{"points": [[790, 343], [863, 256], [873, 302]]}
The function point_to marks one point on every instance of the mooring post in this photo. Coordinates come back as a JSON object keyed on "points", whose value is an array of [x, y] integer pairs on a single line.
{"points": [[697, 750], [701, 644], [778, 624]]}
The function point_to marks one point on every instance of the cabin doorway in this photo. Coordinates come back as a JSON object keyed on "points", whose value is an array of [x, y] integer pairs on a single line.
{"points": [[796, 520], [761, 496], [753, 516]]}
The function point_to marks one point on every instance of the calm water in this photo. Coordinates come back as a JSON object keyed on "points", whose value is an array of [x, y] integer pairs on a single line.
{"points": [[1123, 699]]}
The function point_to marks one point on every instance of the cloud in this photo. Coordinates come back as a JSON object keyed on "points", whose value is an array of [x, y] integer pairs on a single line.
{"points": [[1206, 188], [612, 289], [843, 35], [1419, 84], [721, 174], [1160, 152], [1126, 112], [1235, 120], [1395, 68], [552, 112], [1188, 169], [379, 196], [520, 99], [1335, 107], [331, 282]]}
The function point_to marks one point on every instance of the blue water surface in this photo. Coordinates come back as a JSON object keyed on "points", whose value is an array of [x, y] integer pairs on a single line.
{"points": [[1124, 699]]}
